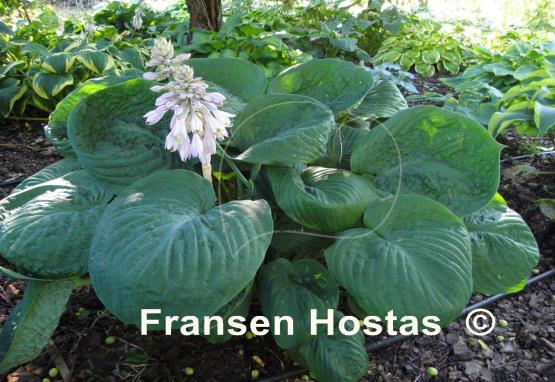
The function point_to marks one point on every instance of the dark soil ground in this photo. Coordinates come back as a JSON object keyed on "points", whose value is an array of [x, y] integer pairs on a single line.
{"points": [[526, 352]]}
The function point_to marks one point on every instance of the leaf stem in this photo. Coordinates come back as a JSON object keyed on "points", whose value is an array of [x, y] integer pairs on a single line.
{"points": [[41, 119], [254, 174], [229, 160]]}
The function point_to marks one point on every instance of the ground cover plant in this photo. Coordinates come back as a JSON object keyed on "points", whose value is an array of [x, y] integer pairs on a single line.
{"points": [[269, 166]]}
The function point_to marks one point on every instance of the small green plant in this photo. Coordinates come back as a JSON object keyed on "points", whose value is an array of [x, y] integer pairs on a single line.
{"points": [[421, 45]]}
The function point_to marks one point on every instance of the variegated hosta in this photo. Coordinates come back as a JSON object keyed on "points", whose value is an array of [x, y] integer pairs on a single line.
{"points": [[402, 212]]}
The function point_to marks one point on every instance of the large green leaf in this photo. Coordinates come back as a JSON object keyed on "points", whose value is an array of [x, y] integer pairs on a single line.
{"points": [[239, 77], [46, 229], [504, 250], [55, 170], [283, 129], [502, 120], [413, 257], [5, 69], [293, 289], [48, 85], [163, 244], [323, 199], [58, 62], [432, 152], [544, 117], [133, 56], [382, 101], [117, 146], [431, 56], [10, 92], [338, 84], [96, 61], [32, 322], [426, 70], [238, 306], [337, 357], [34, 49], [56, 130]]}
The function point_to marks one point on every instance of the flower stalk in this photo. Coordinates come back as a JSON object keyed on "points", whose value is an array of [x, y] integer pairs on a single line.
{"points": [[197, 123]]}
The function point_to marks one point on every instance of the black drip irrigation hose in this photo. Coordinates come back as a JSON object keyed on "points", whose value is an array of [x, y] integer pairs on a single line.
{"points": [[528, 156], [379, 345], [11, 182]]}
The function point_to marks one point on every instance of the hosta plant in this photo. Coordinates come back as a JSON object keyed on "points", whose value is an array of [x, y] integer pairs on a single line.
{"points": [[493, 84], [422, 46], [530, 106], [42, 74], [319, 187]]}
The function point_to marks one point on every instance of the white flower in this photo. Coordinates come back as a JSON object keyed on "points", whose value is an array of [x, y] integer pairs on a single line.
{"points": [[137, 22], [197, 122], [162, 58]]}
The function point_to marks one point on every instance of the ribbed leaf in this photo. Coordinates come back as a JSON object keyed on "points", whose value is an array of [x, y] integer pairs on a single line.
{"points": [[32, 322], [163, 244], [238, 306], [431, 56], [337, 357], [133, 56], [504, 250], [117, 147], [382, 101], [502, 120], [55, 170], [426, 70], [544, 117], [56, 131], [34, 49], [48, 85], [338, 84], [10, 92], [413, 257], [239, 77], [293, 289], [46, 229], [323, 199], [5, 69], [283, 129], [96, 61], [58, 62], [435, 153]]}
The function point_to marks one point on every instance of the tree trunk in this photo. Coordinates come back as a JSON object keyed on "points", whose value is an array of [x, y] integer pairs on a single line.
{"points": [[204, 14]]}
